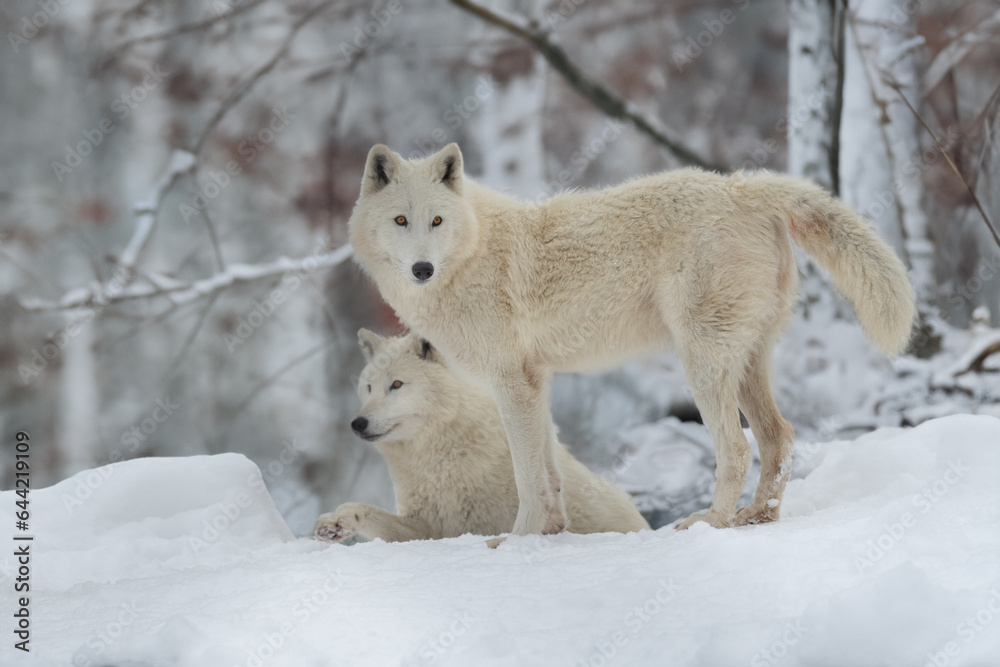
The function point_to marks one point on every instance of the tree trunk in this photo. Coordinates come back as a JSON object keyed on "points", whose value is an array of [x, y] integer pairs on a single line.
{"points": [[815, 94]]}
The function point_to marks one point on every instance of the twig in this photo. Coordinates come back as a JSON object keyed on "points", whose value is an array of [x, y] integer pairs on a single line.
{"points": [[175, 365], [948, 57], [602, 97], [182, 29], [978, 361], [245, 86], [951, 163], [214, 238], [234, 412]]}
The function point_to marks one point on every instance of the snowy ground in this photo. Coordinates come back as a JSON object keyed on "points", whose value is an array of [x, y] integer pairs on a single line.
{"points": [[888, 554]]}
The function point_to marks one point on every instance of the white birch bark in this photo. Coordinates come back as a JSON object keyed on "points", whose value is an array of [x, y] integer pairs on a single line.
{"points": [[814, 99]]}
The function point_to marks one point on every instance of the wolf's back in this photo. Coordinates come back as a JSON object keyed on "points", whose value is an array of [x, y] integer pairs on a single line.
{"points": [[864, 269]]}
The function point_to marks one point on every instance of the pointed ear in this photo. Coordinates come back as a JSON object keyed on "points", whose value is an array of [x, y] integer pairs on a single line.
{"points": [[448, 167], [370, 342], [380, 168], [424, 349]]}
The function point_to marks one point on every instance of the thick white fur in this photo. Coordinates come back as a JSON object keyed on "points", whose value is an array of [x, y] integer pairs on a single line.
{"points": [[448, 457], [586, 279]]}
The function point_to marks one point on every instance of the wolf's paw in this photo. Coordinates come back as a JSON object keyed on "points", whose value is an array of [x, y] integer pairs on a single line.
{"points": [[714, 519], [341, 524], [758, 513], [555, 525], [553, 521]]}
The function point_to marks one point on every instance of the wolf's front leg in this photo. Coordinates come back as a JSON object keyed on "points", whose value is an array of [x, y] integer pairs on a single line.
{"points": [[361, 520], [523, 402]]}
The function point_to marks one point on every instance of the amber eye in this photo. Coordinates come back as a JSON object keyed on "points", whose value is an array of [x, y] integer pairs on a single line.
{"points": [[401, 220], [396, 385], [437, 221]]}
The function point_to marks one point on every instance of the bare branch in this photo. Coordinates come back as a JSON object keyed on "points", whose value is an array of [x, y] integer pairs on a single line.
{"points": [[602, 97], [214, 238], [978, 358], [182, 29], [175, 364], [245, 86], [951, 163], [237, 409], [984, 32]]}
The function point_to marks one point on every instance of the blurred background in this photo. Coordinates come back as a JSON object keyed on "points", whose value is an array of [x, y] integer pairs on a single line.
{"points": [[177, 179]]}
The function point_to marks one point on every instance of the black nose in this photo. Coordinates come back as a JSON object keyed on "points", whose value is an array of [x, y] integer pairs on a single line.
{"points": [[423, 270], [359, 425]]}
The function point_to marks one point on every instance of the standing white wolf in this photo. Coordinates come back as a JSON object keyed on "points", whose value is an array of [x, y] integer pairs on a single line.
{"points": [[448, 456], [512, 291]]}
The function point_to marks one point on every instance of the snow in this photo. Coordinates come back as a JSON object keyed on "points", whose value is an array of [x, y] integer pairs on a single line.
{"points": [[888, 553]]}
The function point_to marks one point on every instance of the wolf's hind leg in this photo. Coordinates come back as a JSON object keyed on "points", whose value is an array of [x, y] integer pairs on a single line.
{"points": [[775, 438], [714, 384]]}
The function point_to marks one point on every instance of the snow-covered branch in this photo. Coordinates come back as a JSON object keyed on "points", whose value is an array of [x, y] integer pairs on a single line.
{"points": [[601, 96], [121, 287], [180, 292], [181, 163]]}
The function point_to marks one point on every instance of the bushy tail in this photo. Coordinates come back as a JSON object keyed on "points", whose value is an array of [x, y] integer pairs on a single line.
{"points": [[864, 269]]}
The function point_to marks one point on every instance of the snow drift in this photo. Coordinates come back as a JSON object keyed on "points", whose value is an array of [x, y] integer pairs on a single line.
{"points": [[888, 553]]}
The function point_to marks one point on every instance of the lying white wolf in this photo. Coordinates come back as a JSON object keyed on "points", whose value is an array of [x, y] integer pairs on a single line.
{"points": [[448, 456], [512, 291]]}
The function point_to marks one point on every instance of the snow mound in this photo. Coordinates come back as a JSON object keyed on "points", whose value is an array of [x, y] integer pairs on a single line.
{"points": [[888, 554], [148, 517]]}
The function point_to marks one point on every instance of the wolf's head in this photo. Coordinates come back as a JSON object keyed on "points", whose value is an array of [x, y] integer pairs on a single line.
{"points": [[411, 222], [400, 387]]}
